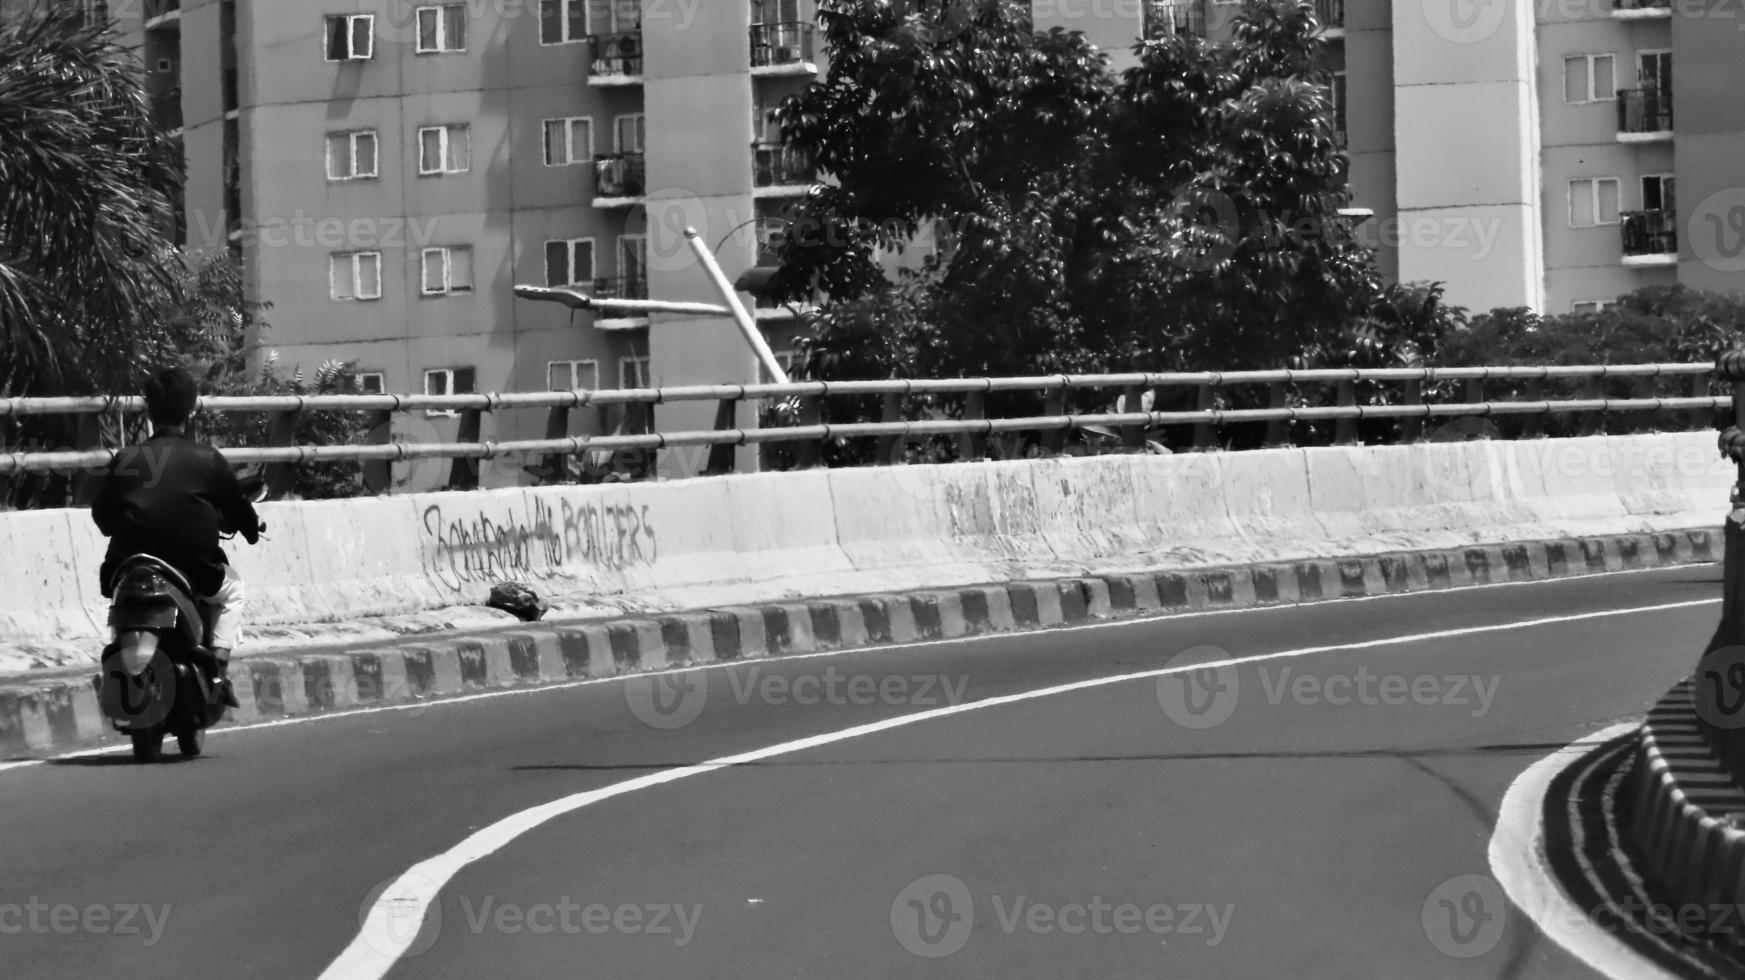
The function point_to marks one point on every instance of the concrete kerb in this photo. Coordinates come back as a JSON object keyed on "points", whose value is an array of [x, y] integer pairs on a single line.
{"points": [[61, 714]]}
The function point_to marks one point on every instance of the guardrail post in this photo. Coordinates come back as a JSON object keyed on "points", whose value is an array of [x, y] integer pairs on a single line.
{"points": [[1206, 433], [555, 467], [464, 473], [278, 477], [1592, 422], [1054, 440], [379, 473], [890, 448], [972, 446], [1277, 430], [1412, 428], [721, 454], [1533, 425], [1345, 428], [88, 481], [1700, 418], [1133, 435], [811, 452]]}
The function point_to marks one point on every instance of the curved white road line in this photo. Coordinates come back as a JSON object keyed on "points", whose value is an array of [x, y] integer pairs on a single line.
{"points": [[1519, 863], [392, 925]]}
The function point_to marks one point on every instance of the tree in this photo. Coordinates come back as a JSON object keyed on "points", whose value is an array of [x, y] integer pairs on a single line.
{"points": [[1182, 215], [85, 183]]}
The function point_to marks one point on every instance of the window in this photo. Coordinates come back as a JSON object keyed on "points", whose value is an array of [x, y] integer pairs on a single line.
{"points": [[563, 21], [1593, 201], [1657, 193], [448, 381], [1588, 306], [630, 133], [1654, 70], [1589, 78], [444, 150], [633, 256], [370, 382], [775, 11], [569, 141], [442, 28], [355, 275], [351, 156], [614, 16], [447, 271], [569, 263], [633, 372], [351, 37], [572, 375]]}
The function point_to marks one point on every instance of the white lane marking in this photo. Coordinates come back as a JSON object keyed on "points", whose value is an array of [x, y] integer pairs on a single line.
{"points": [[392, 923], [1127, 623], [1520, 866]]}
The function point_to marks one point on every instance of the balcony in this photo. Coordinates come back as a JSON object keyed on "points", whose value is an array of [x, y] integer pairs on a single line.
{"points": [[783, 49], [781, 170], [1644, 115], [620, 180], [1650, 237], [1173, 18], [617, 58], [1331, 14], [1641, 9]]}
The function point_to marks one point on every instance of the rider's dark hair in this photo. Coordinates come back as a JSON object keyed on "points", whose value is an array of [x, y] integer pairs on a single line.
{"points": [[170, 396]]}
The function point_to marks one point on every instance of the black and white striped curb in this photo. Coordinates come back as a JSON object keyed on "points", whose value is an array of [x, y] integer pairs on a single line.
{"points": [[62, 714]]}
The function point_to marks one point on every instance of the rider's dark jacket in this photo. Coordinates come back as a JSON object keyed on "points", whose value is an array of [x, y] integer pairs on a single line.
{"points": [[170, 497]]}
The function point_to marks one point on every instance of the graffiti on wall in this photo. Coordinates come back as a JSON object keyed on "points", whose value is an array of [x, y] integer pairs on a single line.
{"points": [[480, 548]]}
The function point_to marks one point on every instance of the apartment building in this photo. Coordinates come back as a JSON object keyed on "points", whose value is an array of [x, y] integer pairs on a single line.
{"points": [[389, 169], [1552, 154]]}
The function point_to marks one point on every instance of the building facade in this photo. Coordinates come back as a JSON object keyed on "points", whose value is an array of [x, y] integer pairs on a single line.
{"points": [[389, 169]]}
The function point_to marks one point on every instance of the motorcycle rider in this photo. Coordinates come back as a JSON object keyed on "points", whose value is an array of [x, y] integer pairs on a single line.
{"points": [[170, 497]]}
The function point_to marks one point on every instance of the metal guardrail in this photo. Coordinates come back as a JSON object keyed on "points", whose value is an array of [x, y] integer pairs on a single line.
{"points": [[973, 428]]}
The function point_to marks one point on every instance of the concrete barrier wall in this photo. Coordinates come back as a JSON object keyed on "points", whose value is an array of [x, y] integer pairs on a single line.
{"points": [[771, 536]]}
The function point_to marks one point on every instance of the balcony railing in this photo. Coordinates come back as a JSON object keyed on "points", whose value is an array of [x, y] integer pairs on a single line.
{"points": [[781, 165], [778, 45], [616, 55], [1331, 13], [1174, 18], [1644, 110], [621, 287], [1650, 232], [620, 175]]}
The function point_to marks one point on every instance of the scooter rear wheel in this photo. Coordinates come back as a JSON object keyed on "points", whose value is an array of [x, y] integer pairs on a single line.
{"points": [[191, 743], [148, 746]]}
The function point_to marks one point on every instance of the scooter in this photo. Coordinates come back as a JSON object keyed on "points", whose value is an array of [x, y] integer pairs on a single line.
{"points": [[157, 679]]}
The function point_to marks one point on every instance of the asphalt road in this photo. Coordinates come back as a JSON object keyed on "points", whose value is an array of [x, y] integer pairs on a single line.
{"points": [[1312, 815]]}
